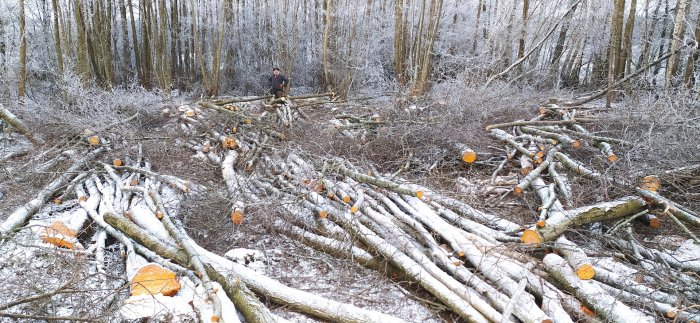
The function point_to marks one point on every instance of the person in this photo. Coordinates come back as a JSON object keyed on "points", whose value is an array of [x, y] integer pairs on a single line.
{"points": [[277, 83]]}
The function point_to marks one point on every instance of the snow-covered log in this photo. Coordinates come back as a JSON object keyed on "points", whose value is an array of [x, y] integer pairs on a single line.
{"points": [[293, 298]]}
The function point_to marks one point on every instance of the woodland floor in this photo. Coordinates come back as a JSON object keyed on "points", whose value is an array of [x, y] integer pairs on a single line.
{"points": [[419, 134]]}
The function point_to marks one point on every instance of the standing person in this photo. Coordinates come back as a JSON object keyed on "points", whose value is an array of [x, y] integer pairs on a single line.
{"points": [[277, 83]]}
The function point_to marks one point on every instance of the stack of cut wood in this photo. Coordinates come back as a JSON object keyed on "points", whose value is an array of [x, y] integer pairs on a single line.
{"points": [[483, 267]]}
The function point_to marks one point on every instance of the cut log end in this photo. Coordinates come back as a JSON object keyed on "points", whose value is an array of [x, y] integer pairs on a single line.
{"points": [[547, 321], [117, 162], [230, 143], [651, 183], [58, 234], [468, 156], [541, 223], [612, 158], [346, 199], [587, 311], [57, 201], [540, 154], [585, 272], [82, 198], [419, 194], [460, 253], [531, 236], [215, 318], [94, 140], [323, 214], [672, 313], [154, 279], [654, 222], [576, 144], [159, 215], [518, 190], [237, 217], [353, 209]]}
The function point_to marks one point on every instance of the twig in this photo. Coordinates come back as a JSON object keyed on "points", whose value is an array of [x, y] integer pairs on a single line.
{"points": [[535, 123], [683, 227], [625, 222], [47, 318]]}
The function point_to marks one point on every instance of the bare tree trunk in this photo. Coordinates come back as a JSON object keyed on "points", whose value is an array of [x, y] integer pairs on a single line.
{"points": [[399, 68], [523, 29], [216, 63], [82, 63], [174, 41], [614, 46], [326, 32], [624, 60], [559, 47], [678, 30], [479, 8], [689, 78], [198, 48], [57, 36], [426, 53], [135, 43], [3, 52], [126, 68], [648, 32], [146, 36], [21, 85]]}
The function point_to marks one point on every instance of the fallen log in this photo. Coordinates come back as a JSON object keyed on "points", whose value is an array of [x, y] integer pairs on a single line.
{"points": [[669, 206], [392, 186], [576, 258], [508, 138], [535, 173], [293, 298], [559, 223], [534, 123], [466, 154], [560, 138], [194, 259], [23, 213], [577, 167], [591, 293], [11, 119], [667, 310]]}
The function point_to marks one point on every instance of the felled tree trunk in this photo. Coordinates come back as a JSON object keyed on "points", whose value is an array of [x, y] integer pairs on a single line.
{"points": [[292, 298], [559, 223], [10, 118], [23, 213], [590, 293]]}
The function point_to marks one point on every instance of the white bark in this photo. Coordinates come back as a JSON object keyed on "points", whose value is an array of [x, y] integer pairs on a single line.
{"points": [[591, 293]]}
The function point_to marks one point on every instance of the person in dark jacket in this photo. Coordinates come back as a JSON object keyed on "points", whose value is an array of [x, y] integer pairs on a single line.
{"points": [[277, 83]]}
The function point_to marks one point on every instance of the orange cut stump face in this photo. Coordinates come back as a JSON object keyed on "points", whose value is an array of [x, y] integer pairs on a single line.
{"points": [[154, 279]]}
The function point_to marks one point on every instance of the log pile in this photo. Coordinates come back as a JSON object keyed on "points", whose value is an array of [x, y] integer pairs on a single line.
{"points": [[479, 266]]}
